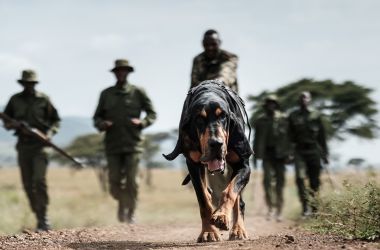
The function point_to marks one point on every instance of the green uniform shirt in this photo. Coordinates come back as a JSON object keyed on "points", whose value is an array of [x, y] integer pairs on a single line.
{"points": [[223, 68], [271, 133], [37, 111], [307, 131], [120, 105]]}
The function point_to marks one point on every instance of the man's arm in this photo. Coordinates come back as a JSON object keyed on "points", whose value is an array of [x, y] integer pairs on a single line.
{"points": [[9, 111], [291, 132], [151, 114], [322, 140], [194, 73], [254, 144], [228, 73], [99, 122], [54, 120]]}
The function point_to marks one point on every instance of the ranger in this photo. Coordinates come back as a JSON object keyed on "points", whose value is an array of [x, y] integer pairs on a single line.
{"points": [[118, 114], [34, 109], [215, 63], [307, 132], [271, 144]]}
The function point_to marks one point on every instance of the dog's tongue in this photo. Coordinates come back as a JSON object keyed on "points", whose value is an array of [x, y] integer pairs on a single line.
{"points": [[215, 165]]}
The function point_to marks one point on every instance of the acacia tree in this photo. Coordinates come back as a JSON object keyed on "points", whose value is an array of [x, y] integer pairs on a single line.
{"points": [[89, 147], [347, 107]]}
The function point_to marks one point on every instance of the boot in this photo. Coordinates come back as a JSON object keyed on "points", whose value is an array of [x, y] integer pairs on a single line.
{"points": [[305, 210], [43, 224], [131, 217], [269, 214], [122, 212], [278, 215]]}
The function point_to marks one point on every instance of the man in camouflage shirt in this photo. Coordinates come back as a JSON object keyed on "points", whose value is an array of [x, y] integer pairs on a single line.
{"points": [[214, 63], [307, 132], [271, 144], [35, 109], [118, 114]]}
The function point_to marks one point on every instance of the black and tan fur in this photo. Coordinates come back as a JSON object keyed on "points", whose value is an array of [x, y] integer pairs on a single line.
{"points": [[212, 127]]}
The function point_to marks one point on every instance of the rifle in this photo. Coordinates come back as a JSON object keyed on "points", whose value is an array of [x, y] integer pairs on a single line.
{"points": [[37, 134]]}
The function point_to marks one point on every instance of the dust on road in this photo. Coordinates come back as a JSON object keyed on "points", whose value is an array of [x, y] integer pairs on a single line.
{"points": [[263, 235]]}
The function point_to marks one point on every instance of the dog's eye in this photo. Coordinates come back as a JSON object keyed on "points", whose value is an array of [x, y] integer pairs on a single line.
{"points": [[222, 116], [200, 120]]}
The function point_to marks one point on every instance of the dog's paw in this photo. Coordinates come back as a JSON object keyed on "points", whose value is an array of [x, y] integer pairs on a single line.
{"points": [[238, 232], [221, 220], [210, 235]]}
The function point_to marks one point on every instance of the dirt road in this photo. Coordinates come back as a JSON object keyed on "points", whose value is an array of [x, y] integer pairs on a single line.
{"points": [[263, 235], [169, 221]]}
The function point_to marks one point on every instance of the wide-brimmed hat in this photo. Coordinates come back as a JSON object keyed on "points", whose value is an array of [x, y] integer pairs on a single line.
{"points": [[28, 75], [122, 64], [272, 98]]}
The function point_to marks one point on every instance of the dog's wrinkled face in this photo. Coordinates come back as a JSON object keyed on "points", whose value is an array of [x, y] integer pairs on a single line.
{"points": [[211, 124]]}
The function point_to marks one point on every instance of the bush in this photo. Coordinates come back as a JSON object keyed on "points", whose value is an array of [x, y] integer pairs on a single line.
{"points": [[353, 213]]}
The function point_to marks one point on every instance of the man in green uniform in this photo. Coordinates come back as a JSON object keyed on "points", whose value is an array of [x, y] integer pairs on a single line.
{"points": [[307, 132], [215, 63], [35, 109], [272, 146], [118, 114]]}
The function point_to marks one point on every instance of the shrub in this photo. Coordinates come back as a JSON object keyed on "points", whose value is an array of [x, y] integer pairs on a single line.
{"points": [[354, 212]]}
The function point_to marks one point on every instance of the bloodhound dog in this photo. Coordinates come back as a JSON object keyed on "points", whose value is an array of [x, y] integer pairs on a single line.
{"points": [[211, 134]]}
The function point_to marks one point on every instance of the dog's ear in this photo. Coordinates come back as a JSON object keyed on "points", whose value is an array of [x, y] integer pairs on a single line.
{"points": [[184, 125], [183, 121], [234, 123]]}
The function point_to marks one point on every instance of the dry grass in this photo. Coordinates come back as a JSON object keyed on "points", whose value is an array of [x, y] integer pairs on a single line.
{"points": [[76, 200]]}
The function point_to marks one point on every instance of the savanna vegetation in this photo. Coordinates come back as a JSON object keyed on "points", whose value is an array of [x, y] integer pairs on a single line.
{"points": [[78, 201]]}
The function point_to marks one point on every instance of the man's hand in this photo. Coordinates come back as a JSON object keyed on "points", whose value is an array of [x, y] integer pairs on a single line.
{"points": [[137, 122], [12, 125], [104, 125], [19, 126], [49, 134]]}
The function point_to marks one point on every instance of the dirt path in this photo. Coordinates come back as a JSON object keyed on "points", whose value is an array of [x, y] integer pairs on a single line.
{"points": [[180, 235], [263, 235]]}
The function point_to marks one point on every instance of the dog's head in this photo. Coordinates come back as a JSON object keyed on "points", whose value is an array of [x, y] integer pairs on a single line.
{"points": [[210, 123], [212, 118]]}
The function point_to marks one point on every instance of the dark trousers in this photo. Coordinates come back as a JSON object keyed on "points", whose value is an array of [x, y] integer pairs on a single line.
{"points": [[33, 166], [123, 169], [308, 167], [274, 181]]}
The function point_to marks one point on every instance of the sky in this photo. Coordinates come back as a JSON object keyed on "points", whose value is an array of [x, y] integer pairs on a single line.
{"points": [[73, 44]]}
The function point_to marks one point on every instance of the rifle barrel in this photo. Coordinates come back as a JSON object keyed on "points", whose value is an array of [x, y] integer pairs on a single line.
{"points": [[42, 138]]}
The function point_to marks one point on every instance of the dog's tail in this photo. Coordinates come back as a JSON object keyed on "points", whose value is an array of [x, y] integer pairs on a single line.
{"points": [[177, 150]]}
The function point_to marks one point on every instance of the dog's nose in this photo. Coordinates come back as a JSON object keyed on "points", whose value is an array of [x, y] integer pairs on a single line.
{"points": [[215, 143]]}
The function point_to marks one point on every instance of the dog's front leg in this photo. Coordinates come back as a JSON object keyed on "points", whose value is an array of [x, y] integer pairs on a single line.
{"points": [[238, 231], [198, 177], [240, 177]]}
